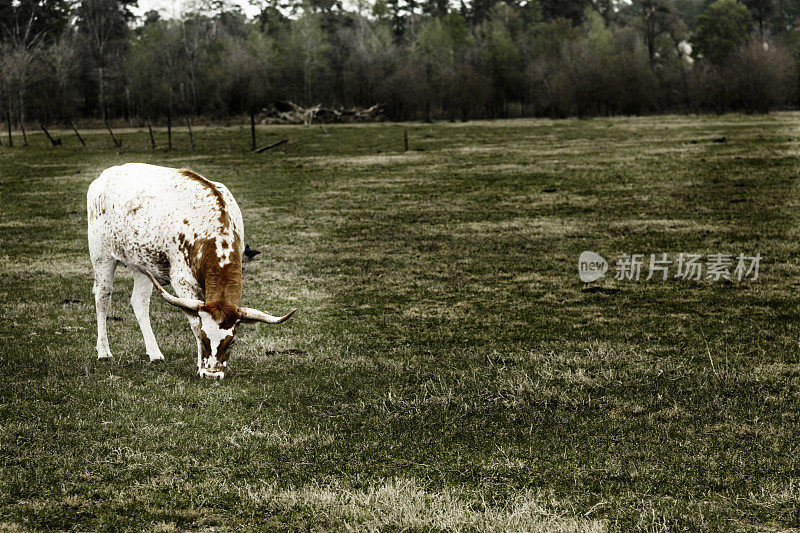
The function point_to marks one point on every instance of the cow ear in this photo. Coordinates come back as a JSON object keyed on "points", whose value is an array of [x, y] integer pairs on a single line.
{"points": [[251, 316]]}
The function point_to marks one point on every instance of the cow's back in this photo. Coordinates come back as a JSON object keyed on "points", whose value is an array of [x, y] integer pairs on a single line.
{"points": [[141, 213]]}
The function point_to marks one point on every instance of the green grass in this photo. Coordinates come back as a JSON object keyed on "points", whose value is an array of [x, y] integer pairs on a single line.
{"points": [[446, 370]]}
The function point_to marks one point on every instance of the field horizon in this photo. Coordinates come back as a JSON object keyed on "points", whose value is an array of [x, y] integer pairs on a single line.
{"points": [[447, 369]]}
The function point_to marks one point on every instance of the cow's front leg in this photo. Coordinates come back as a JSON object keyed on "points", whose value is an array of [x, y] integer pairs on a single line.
{"points": [[185, 288], [140, 301], [194, 321], [103, 288]]}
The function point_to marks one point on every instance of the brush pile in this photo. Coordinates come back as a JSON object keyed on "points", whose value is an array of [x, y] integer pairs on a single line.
{"points": [[286, 112]]}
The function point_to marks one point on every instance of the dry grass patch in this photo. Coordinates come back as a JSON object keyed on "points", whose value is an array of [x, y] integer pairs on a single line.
{"points": [[48, 265], [664, 225], [405, 504], [363, 160], [530, 227]]}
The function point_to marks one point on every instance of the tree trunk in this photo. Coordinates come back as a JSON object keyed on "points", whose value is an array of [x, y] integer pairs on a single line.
{"points": [[649, 31], [127, 102], [22, 116], [102, 94], [193, 88], [8, 123], [252, 131]]}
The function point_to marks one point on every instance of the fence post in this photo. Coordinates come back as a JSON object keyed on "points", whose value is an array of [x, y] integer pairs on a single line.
{"points": [[252, 132], [191, 137], [117, 143], [54, 142], [8, 122], [76, 133]]}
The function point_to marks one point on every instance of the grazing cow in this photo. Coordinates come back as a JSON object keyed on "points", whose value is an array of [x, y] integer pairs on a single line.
{"points": [[180, 228]]}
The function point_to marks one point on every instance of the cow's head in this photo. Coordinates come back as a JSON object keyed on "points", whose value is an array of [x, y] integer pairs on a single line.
{"points": [[217, 328]]}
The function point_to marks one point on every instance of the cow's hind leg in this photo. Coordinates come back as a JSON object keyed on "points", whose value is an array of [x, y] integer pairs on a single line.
{"points": [[103, 288], [140, 300]]}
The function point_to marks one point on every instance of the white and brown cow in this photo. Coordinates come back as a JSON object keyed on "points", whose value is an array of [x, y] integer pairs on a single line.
{"points": [[180, 228]]}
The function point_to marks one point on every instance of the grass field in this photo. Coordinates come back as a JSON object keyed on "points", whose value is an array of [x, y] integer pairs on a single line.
{"points": [[447, 369]]}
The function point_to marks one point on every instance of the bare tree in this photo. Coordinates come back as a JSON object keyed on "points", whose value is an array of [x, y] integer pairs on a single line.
{"points": [[23, 44], [193, 43], [658, 17], [103, 23], [60, 58], [309, 45]]}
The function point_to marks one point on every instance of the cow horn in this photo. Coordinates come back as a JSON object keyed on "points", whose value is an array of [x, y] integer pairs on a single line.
{"points": [[187, 304], [254, 315]]}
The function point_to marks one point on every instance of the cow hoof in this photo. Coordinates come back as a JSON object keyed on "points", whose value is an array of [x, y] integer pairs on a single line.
{"points": [[158, 361], [106, 359]]}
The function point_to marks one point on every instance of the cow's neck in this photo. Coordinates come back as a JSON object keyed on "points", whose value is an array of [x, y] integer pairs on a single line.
{"points": [[219, 271], [223, 286]]}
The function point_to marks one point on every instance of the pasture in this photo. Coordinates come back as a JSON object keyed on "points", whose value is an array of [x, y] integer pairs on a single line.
{"points": [[447, 369]]}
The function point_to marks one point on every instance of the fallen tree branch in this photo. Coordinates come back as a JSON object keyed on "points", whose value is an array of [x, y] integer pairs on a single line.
{"points": [[273, 145]]}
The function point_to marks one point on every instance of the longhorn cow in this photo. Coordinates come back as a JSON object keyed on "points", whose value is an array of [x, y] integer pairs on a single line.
{"points": [[171, 226]]}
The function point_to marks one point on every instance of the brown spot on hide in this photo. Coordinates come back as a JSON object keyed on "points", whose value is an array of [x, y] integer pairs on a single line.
{"points": [[206, 344], [224, 217], [225, 344], [186, 221], [221, 286], [161, 261], [119, 250], [224, 244]]}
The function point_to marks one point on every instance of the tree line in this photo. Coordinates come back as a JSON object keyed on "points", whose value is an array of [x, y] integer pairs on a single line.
{"points": [[62, 60]]}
